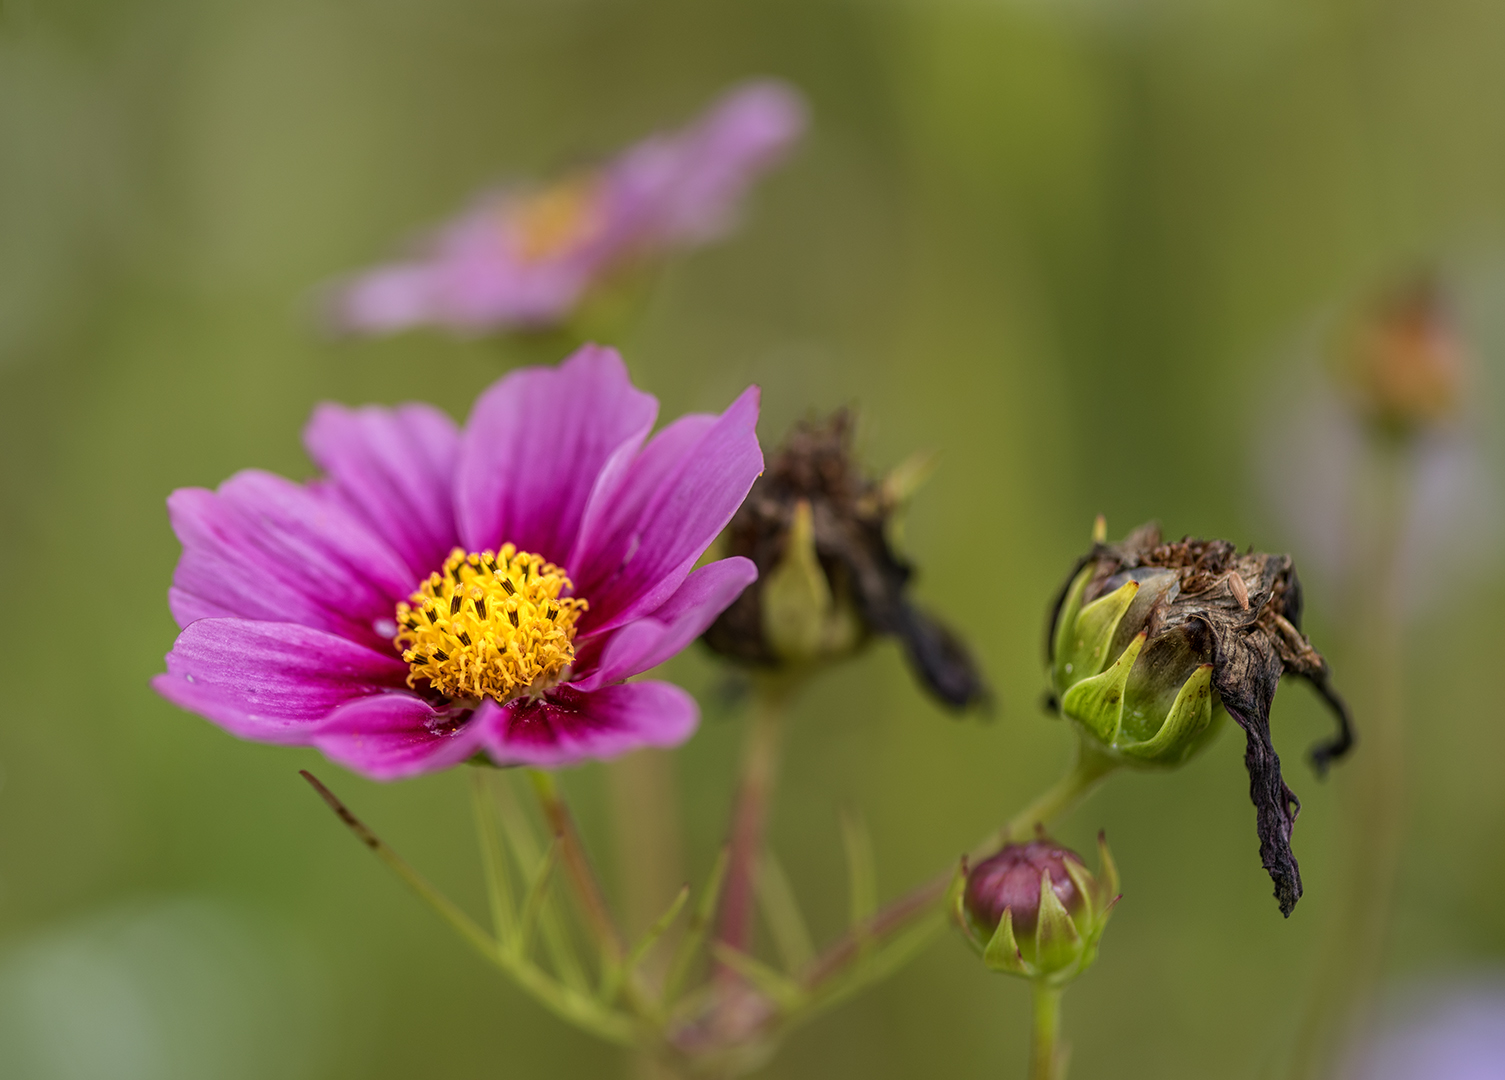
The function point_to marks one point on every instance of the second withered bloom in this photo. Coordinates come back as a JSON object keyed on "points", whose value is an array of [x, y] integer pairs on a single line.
{"points": [[828, 578], [1152, 643]]}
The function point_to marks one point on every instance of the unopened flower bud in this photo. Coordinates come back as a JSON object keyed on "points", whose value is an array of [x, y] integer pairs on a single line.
{"points": [[1154, 643], [1404, 361], [828, 577], [1035, 910]]}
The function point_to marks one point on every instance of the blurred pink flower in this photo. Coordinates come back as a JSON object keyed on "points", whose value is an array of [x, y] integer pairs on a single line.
{"points": [[404, 613], [1452, 1033], [524, 257], [1400, 397]]}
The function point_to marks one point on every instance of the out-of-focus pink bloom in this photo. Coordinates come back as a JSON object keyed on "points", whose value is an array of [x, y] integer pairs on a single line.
{"points": [[412, 609], [1453, 1034], [524, 258], [1401, 399]]}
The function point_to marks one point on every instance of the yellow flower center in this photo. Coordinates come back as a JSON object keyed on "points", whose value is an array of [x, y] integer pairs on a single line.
{"points": [[490, 625], [558, 217]]}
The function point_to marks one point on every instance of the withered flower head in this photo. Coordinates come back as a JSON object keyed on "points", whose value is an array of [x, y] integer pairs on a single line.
{"points": [[1153, 643], [828, 579]]}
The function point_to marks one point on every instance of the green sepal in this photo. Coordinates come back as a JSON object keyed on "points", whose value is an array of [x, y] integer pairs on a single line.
{"points": [[1090, 890], [1098, 702], [796, 595], [956, 908], [1071, 607], [1091, 632], [1189, 718], [1058, 945], [1002, 953], [1107, 872]]}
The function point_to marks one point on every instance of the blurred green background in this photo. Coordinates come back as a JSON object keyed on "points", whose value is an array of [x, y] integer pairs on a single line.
{"points": [[1075, 245]]}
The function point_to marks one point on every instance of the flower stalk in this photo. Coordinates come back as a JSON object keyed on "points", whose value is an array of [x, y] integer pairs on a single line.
{"points": [[759, 773], [1046, 1057], [1088, 768], [577, 864]]}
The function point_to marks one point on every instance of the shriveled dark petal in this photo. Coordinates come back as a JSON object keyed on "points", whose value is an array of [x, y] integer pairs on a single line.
{"points": [[1324, 753], [941, 660], [1299, 658], [1246, 674], [879, 583]]}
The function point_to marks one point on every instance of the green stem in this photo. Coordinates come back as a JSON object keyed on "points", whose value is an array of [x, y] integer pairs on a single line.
{"points": [[759, 770], [577, 865], [1088, 768], [1045, 1058], [568, 1004]]}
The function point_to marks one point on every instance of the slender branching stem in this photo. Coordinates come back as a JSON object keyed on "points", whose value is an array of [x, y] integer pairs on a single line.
{"points": [[1088, 768], [578, 866], [1045, 1057], [759, 771], [565, 1002]]}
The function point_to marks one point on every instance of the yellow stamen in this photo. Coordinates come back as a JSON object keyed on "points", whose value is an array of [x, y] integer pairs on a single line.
{"points": [[490, 625], [556, 218]]}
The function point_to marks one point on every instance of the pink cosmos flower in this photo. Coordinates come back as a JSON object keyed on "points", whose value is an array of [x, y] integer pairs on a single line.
{"points": [[524, 258], [412, 609]]}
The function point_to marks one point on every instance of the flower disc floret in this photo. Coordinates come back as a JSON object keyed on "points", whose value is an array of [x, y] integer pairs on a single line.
{"points": [[492, 624]]}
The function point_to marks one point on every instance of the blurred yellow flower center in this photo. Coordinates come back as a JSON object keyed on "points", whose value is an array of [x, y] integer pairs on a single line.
{"points": [[490, 625], [556, 218]]}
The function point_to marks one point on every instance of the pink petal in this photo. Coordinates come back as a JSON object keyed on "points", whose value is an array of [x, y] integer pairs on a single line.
{"points": [[270, 681], [609, 528], [687, 186], [394, 736], [386, 299], [569, 727], [681, 518], [651, 640], [536, 443], [394, 468], [262, 547]]}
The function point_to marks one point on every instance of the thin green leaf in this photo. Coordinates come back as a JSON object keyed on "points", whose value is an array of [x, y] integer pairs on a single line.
{"points": [[462, 923], [622, 972], [551, 924], [700, 924], [659, 928], [533, 905], [862, 882], [791, 935], [877, 964], [494, 858], [782, 990]]}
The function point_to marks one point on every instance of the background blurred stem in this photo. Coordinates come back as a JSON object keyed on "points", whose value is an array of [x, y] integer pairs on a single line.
{"points": [[1044, 1052], [1372, 787], [645, 820], [759, 770], [646, 823], [577, 865]]}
